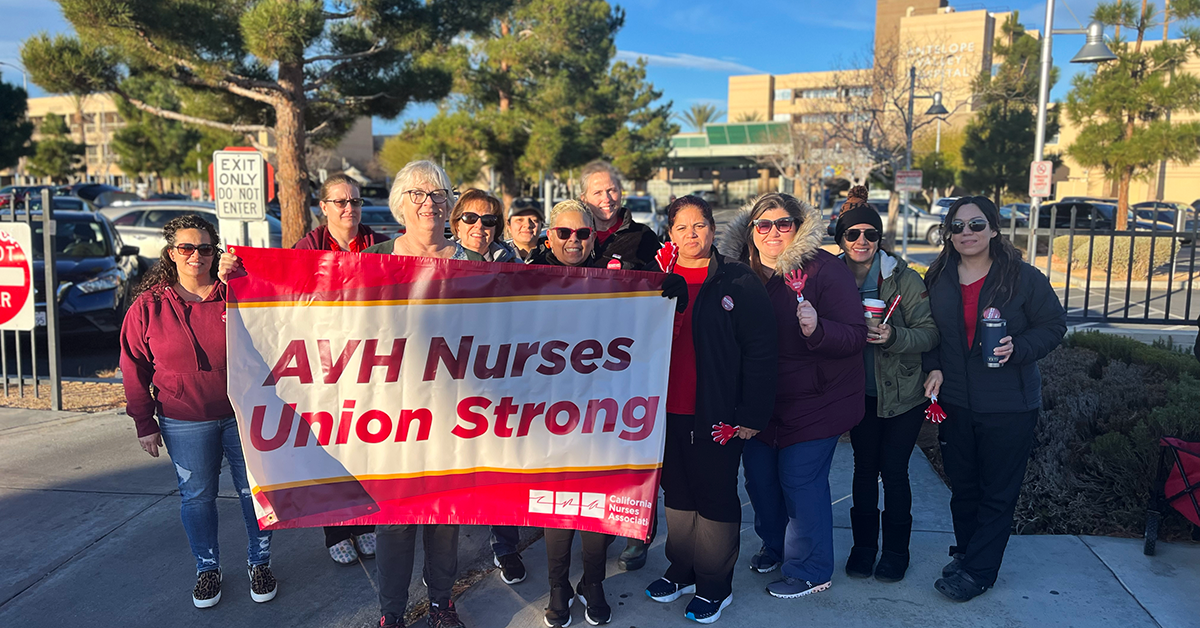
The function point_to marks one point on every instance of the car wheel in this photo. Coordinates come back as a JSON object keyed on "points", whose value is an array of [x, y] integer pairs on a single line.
{"points": [[933, 237]]}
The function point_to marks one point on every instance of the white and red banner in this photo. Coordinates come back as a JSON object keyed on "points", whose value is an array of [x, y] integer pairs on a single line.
{"points": [[387, 389]]}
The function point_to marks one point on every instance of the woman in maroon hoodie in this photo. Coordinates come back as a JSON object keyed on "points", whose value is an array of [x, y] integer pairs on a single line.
{"points": [[819, 394], [173, 338]]}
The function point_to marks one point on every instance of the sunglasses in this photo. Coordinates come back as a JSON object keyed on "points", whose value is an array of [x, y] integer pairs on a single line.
{"points": [[564, 233], [437, 196], [976, 225], [488, 220], [206, 250], [342, 202], [872, 235], [784, 225]]}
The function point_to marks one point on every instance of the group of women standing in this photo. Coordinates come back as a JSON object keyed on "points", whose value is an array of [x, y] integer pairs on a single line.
{"points": [[772, 360]]}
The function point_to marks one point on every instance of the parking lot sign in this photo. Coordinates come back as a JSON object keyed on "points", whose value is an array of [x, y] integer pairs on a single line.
{"points": [[1041, 179], [908, 181], [240, 185]]}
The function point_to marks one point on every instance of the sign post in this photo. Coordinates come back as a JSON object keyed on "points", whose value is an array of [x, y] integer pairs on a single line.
{"points": [[907, 181], [1041, 179]]}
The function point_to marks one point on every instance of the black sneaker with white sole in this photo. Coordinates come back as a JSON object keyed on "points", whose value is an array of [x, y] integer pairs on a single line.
{"points": [[705, 611], [512, 570], [208, 589], [793, 587], [597, 612], [663, 590], [558, 613], [763, 561], [263, 586]]}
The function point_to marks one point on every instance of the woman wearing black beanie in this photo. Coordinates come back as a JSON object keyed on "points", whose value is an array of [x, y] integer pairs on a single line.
{"points": [[883, 441]]}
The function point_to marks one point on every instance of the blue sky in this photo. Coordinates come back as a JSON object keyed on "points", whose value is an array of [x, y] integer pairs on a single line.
{"points": [[692, 46]]}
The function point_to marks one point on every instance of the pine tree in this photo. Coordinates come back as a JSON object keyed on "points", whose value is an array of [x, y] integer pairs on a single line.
{"points": [[151, 144], [15, 129], [56, 156], [1122, 107]]}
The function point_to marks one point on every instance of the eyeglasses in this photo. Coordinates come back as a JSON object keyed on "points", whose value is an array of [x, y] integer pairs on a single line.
{"points": [[437, 196], [488, 220], [872, 235], [784, 225], [976, 225], [341, 202], [564, 233], [186, 250]]}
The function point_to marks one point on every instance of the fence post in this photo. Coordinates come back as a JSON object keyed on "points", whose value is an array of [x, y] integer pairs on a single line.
{"points": [[48, 257]]}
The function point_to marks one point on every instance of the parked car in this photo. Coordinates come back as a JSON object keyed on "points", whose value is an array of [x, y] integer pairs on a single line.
{"points": [[68, 203], [86, 191], [375, 194], [646, 211], [381, 221], [97, 272], [921, 224], [1020, 210], [940, 206], [141, 224], [709, 196], [1088, 215], [18, 192], [1167, 216]]}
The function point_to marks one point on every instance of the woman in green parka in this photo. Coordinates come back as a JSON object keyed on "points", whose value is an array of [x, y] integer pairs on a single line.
{"points": [[895, 402]]}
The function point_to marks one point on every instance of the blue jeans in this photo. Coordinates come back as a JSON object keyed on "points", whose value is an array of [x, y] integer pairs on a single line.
{"points": [[505, 540], [793, 514], [196, 448]]}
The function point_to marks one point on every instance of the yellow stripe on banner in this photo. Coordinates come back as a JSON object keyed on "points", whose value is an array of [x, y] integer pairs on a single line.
{"points": [[405, 476], [532, 297]]}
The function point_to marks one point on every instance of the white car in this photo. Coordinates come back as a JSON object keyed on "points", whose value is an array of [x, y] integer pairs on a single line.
{"points": [[140, 224], [645, 210]]}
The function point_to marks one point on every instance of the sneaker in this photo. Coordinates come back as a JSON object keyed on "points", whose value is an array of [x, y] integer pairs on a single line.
{"points": [[512, 570], [959, 586], [365, 543], [444, 616], [663, 590], [892, 567], [763, 562], [343, 552], [597, 611], [954, 566], [263, 586], [208, 589], [706, 611], [384, 623], [634, 556], [861, 562], [558, 614], [791, 587]]}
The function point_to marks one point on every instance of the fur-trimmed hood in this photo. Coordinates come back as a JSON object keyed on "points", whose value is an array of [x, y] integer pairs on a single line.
{"points": [[809, 234]]}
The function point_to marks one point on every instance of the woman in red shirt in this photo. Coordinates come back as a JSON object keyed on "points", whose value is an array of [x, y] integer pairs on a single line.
{"points": [[721, 391]]}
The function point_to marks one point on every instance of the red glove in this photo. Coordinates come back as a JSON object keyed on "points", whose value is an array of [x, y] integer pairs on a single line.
{"points": [[934, 413], [667, 256], [722, 433]]}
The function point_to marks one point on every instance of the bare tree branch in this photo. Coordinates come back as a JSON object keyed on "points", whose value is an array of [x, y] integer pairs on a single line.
{"points": [[179, 117], [262, 91], [375, 48]]}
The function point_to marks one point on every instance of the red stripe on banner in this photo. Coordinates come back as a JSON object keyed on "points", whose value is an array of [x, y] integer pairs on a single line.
{"points": [[611, 502], [304, 275]]}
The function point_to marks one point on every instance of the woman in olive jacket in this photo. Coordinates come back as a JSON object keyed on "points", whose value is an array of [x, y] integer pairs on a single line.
{"points": [[895, 400], [991, 413]]}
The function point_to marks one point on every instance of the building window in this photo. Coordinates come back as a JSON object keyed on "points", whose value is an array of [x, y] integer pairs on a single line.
{"points": [[783, 94], [782, 117], [858, 92], [818, 118], [827, 92], [1053, 141]]}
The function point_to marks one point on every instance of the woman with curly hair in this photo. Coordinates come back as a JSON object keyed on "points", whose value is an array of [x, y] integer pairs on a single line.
{"points": [[173, 338]]}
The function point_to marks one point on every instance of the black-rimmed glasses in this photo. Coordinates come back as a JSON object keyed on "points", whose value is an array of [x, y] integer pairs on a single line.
{"points": [[437, 196]]}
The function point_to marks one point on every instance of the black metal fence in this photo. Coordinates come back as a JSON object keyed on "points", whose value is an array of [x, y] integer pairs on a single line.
{"points": [[1144, 274]]}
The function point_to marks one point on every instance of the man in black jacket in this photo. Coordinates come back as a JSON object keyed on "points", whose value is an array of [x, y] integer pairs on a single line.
{"points": [[621, 243]]}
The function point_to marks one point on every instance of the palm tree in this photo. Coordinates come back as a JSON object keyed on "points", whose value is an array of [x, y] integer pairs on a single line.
{"points": [[749, 116], [699, 115]]}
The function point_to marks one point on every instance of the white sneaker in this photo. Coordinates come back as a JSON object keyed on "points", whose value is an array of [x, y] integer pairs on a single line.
{"points": [[344, 552]]}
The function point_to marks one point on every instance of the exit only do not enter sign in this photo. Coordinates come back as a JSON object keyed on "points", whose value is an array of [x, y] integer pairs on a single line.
{"points": [[239, 179]]}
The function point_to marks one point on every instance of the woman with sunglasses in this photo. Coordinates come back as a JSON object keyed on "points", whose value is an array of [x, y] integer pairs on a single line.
{"points": [[883, 441], [477, 222], [341, 203], [173, 338], [819, 392], [721, 392], [991, 413]]}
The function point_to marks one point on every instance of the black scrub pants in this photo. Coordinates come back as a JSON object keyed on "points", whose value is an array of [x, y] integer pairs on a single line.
{"points": [[984, 455], [394, 553], [882, 448], [704, 512], [558, 556]]}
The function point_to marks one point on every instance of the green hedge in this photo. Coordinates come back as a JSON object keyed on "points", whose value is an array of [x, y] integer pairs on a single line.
{"points": [[1169, 362], [1164, 248]]}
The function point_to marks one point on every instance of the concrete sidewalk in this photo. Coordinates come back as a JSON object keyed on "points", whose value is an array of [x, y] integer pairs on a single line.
{"points": [[92, 536]]}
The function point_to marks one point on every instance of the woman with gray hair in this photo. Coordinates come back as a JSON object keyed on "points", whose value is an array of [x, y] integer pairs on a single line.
{"points": [[421, 199]]}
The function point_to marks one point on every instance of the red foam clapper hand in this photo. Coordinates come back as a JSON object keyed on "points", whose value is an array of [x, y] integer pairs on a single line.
{"points": [[667, 256], [796, 280], [934, 413], [723, 433]]}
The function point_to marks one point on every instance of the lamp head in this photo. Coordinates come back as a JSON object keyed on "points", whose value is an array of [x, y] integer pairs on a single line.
{"points": [[1095, 50], [937, 109]]}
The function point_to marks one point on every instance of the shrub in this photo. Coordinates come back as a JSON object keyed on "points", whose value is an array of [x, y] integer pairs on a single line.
{"points": [[1164, 248], [1169, 361]]}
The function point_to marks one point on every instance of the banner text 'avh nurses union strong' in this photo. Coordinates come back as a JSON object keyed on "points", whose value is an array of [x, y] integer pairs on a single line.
{"points": [[386, 389]]}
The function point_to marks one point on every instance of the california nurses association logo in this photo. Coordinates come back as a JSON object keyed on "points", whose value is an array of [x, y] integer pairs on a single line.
{"points": [[567, 503]]}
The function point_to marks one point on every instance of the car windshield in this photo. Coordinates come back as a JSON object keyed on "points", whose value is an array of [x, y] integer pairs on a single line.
{"points": [[74, 239], [57, 202], [638, 205]]}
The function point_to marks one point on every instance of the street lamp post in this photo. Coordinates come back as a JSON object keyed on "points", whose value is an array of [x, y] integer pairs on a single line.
{"points": [[936, 109], [1094, 51], [24, 77]]}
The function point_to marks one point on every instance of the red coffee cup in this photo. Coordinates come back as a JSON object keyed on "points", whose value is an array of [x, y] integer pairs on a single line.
{"points": [[873, 310]]}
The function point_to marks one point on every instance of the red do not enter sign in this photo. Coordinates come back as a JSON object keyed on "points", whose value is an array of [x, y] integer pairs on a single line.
{"points": [[16, 277]]}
